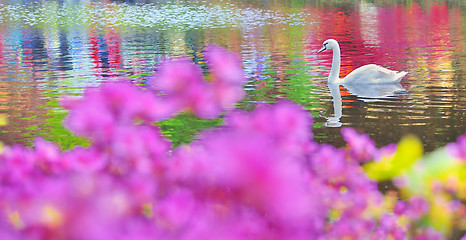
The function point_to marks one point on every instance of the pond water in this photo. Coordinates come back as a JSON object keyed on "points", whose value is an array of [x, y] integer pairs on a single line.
{"points": [[48, 49]]}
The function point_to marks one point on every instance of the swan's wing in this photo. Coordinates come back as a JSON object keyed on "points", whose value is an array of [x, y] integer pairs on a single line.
{"points": [[373, 74]]}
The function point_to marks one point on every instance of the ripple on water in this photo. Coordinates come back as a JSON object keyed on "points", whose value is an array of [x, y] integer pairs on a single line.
{"points": [[162, 16]]}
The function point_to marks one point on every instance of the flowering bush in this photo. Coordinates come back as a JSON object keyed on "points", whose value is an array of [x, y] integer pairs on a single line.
{"points": [[259, 176]]}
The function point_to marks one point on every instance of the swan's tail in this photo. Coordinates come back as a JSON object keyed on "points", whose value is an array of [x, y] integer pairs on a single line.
{"points": [[400, 75]]}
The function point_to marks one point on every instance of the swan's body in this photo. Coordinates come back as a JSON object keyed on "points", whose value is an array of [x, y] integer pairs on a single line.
{"points": [[367, 74]]}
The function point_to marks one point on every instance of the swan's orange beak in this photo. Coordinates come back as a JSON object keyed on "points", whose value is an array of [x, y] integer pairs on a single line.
{"points": [[322, 49]]}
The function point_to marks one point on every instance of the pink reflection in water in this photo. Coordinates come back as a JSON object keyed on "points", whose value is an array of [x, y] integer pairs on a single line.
{"points": [[388, 36]]}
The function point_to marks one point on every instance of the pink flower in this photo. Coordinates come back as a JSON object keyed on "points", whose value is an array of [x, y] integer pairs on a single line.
{"points": [[84, 160], [417, 207], [251, 166], [226, 94], [98, 113], [202, 102], [360, 146], [464, 237], [458, 149], [45, 150], [286, 123], [181, 84], [47, 155], [225, 65], [330, 165], [16, 164], [350, 228], [176, 76], [90, 116], [400, 207], [429, 234], [176, 211], [229, 76], [137, 148], [128, 102]]}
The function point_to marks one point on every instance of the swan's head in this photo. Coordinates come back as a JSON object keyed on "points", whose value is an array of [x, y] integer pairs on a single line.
{"points": [[329, 44]]}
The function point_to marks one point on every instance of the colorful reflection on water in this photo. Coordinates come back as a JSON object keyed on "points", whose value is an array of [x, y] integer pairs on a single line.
{"points": [[53, 48]]}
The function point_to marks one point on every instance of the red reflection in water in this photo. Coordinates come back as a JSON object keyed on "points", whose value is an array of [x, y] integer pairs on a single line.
{"points": [[394, 29], [105, 52], [95, 53], [114, 56], [409, 38]]}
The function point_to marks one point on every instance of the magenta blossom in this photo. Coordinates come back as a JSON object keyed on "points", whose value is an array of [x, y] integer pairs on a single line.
{"points": [[228, 75], [361, 147], [224, 65], [288, 124], [418, 207], [113, 104], [182, 87], [181, 84], [458, 149]]}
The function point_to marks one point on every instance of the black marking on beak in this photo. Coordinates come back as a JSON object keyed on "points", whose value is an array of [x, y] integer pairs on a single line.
{"points": [[324, 47]]}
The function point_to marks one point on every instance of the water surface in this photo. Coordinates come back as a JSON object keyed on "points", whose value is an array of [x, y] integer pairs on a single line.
{"points": [[49, 48]]}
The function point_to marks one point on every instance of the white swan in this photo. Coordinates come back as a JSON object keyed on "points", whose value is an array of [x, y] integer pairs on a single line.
{"points": [[367, 74]]}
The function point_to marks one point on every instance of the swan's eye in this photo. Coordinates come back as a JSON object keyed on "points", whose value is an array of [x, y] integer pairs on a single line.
{"points": [[325, 45]]}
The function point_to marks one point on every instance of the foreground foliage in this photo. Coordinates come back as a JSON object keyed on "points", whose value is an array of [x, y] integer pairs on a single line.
{"points": [[258, 176]]}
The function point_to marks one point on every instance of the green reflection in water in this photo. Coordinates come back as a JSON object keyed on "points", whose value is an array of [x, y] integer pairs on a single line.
{"points": [[53, 129], [183, 128]]}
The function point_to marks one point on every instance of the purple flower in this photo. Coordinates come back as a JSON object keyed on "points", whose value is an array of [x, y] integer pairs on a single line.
{"points": [[330, 163], [176, 211], [181, 83], [228, 74], [458, 149], [225, 65], [360, 147], [286, 123], [464, 237], [16, 164], [90, 116], [47, 155], [99, 112], [176, 76], [400, 207], [418, 206], [82, 159], [137, 148], [226, 94], [429, 234], [120, 98], [350, 228]]}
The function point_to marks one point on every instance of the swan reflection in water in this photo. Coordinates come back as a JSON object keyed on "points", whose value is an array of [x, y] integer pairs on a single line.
{"points": [[364, 92]]}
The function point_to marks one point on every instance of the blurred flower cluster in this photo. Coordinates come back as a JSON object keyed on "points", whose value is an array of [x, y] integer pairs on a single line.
{"points": [[259, 176]]}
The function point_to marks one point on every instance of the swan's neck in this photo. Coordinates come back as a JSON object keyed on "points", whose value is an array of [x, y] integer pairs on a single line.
{"points": [[334, 75]]}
